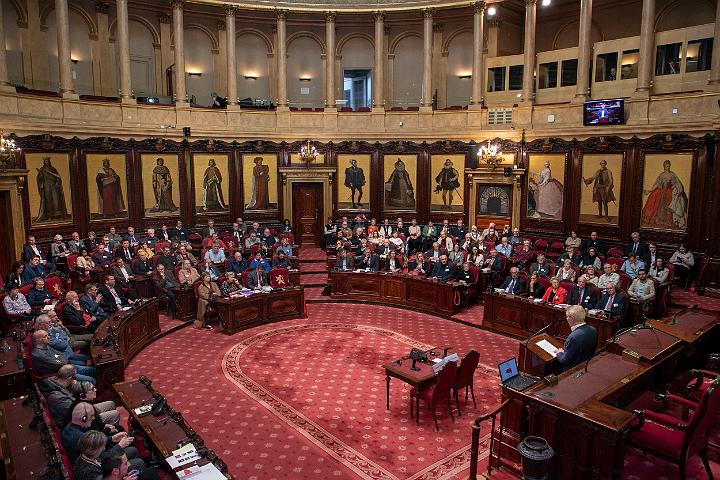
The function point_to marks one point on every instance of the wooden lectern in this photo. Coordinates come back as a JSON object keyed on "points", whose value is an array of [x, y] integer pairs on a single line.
{"points": [[535, 361]]}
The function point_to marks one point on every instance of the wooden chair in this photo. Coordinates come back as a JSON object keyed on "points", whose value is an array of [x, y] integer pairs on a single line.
{"points": [[434, 394], [464, 377]]}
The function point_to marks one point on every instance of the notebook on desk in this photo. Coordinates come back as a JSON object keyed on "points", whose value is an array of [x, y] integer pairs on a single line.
{"points": [[511, 378]]}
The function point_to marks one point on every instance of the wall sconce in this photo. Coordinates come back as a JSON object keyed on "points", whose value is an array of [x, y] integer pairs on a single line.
{"points": [[250, 77], [74, 60], [465, 76], [194, 74], [305, 79]]}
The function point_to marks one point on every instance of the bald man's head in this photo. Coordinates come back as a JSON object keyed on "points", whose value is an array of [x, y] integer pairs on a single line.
{"points": [[40, 338], [83, 410]]}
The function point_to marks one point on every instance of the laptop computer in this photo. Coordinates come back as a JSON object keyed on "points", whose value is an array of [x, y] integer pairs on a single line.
{"points": [[511, 378]]}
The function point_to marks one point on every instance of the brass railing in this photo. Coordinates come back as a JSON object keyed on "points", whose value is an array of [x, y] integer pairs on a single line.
{"points": [[475, 445]]}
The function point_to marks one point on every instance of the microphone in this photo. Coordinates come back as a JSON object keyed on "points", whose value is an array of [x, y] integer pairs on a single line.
{"points": [[585, 370], [674, 319], [527, 342], [445, 351]]}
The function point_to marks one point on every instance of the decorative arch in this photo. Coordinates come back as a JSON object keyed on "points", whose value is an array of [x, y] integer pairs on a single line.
{"points": [[351, 36], [258, 33], [669, 7], [393, 45], [196, 26], [50, 7], [449, 38], [22, 17], [561, 30], [136, 18], [309, 35]]}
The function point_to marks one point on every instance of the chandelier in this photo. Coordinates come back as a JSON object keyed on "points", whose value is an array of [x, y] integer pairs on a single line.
{"points": [[8, 151], [490, 154], [308, 152]]}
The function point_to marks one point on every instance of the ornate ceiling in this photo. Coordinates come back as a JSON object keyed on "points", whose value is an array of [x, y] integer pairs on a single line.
{"points": [[340, 5]]}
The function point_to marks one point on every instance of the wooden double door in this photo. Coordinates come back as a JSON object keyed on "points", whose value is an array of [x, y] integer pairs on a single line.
{"points": [[307, 207]]}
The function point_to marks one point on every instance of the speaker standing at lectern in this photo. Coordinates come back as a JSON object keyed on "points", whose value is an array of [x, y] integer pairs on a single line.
{"points": [[580, 344]]}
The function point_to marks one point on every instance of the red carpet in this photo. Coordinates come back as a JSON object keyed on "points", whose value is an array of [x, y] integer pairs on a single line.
{"points": [[686, 298], [314, 279], [312, 254]]}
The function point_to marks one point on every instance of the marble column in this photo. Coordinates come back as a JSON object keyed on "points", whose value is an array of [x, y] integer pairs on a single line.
{"points": [[330, 60], [123, 43], [585, 52], [4, 83], [232, 95], [282, 59], [63, 43], [647, 49], [379, 80], [715, 66], [478, 65], [427, 92], [179, 37], [528, 92]]}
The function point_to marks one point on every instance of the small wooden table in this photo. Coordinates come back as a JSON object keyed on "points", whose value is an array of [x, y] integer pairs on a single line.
{"points": [[239, 312], [533, 360], [13, 381], [401, 369], [186, 302], [143, 286]]}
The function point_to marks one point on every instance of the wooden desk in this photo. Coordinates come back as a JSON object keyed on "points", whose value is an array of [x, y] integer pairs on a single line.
{"points": [[535, 361], [395, 289], [186, 303], [13, 381], [166, 430], [690, 326], [143, 286], [238, 312], [401, 369], [130, 331], [522, 317], [647, 345]]}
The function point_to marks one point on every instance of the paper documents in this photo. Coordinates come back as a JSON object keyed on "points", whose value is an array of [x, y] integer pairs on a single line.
{"points": [[547, 346], [183, 456], [206, 472]]}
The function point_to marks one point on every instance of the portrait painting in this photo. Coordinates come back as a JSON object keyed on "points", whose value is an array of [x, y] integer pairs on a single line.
{"points": [[212, 187], [600, 188], [294, 159], [107, 185], [259, 174], [353, 181], [400, 179], [546, 180], [49, 188], [447, 183], [666, 191], [161, 188]]}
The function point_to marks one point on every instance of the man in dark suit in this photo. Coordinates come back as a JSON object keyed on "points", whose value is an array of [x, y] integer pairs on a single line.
{"points": [[31, 250], [444, 270], [583, 295], [90, 302], [593, 241], [258, 278], [612, 302], [101, 257], [179, 232], [651, 256], [150, 239], [368, 261], [134, 239], [636, 246], [541, 267], [125, 251], [514, 283], [493, 265], [344, 261], [112, 299], [210, 229], [33, 269], [237, 265], [142, 265], [122, 273], [580, 344]]}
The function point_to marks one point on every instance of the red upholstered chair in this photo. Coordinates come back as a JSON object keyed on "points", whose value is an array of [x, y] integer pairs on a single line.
{"points": [[54, 285], [545, 282], [567, 286], [556, 249], [464, 377], [625, 280], [615, 252], [195, 239], [244, 278], [676, 440], [27, 360], [289, 236], [221, 279], [618, 262], [541, 244], [254, 249], [279, 277], [160, 245], [25, 288], [434, 394]]}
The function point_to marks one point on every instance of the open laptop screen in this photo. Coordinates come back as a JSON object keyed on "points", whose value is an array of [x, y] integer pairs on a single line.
{"points": [[508, 369]]}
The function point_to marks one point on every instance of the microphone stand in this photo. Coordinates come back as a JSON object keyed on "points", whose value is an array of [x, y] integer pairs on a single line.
{"points": [[674, 319], [613, 339], [527, 342]]}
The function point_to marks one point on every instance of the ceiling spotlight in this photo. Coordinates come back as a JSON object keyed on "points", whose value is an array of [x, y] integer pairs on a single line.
{"points": [[491, 11], [545, 3]]}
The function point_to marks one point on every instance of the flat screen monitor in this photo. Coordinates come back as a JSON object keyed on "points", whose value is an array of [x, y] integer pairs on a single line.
{"points": [[604, 112], [508, 369]]}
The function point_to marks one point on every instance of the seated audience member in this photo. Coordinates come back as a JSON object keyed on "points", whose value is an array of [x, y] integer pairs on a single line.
{"points": [[582, 295], [149, 252], [429, 235], [516, 238], [207, 291], [58, 396], [15, 277], [567, 272], [513, 283], [59, 250], [414, 237], [285, 247], [555, 294], [651, 256], [392, 263], [101, 257], [535, 288], [506, 231], [636, 245], [608, 277], [91, 446], [594, 242], [91, 302], [60, 337], [457, 256], [643, 287], [91, 242], [568, 254], [259, 260], [39, 297], [367, 261], [491, 236], [142, 265], [522, 254], [179, 231], [209, 267], [215, 254], [541, 266], [475, 257], [46, 360], [385, 229], [112, 298], [258, 278], [494, 265], [73, 313], [464, 275], [445, 241], [106, 414], [167, 259], [683, 261], [125, 251], [230, 285], [165, 234], [475, 234], [164, 281], [504, 247], [659, 272], [150, 240], [31, 250], [329, 230], [75, 244], [397, 242], [209, 231], [443, 270], [15, 303], [268, 238], [281, 260], [188, 275], [419, 267], [612, 302], [84, 263], [122, 273], [251, 240], [591, 258], [632, 266], [114, 238], [491, 227], [573, 241], [590, 276], [458, 230], [183, 254], [580, 345], [255, 228], [286, 227], [237, 265], [468, 243], [344, 261], [435, 253], [32, 270]]}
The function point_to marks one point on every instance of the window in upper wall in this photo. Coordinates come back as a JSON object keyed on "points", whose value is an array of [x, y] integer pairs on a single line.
{"points": [[667, 59], [496, 79], [606, 67], [629, 64], [568, 73], [547, 75], [516, 77], [357, 88], [699, 55]]}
